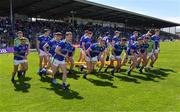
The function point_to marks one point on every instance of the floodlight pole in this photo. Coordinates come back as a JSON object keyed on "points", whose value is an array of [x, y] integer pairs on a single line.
{"points": [[125, 26], [73, 12], [11, 16]]}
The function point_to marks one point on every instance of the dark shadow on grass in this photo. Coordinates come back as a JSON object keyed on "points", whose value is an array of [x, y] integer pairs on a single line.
{"points": [[167, 70], [152, 75], [144, 77], [127, 79], [66, 94], [123, 70], [105, 76], [159, 72], [21, 85], [74, 75], [101, 83], [46, 79]]}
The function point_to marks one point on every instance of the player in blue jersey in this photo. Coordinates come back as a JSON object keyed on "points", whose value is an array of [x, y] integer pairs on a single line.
{"points": [[71, 52], [92, 54], [107, 44], [133, 38], [82, 53], [117, 50], [116, 37], [142, 47], [87, 41], [156, 40], [49, 47], [59, 59], [106, 52], [21, 52], [41, 41], [148, 34], [132, 54]]}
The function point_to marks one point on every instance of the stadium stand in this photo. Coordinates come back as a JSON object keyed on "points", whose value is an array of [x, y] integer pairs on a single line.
{"points": [[33, 29], [69, 12]]}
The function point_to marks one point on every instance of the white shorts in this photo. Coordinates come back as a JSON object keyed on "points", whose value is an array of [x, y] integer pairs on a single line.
{"points": [[56, 62], [150, 54], [17, 62], [94, 59], [156, 51], [42, 53], [51, 59], [88, 58], [115, 57]]}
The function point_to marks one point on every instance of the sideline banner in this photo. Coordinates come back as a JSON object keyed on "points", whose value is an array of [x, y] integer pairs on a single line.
{"points": [[6, 50], [11, 50], [76, 46]]}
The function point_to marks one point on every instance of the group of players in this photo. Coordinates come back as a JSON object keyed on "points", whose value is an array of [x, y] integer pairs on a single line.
{"points": [[54, 53]]}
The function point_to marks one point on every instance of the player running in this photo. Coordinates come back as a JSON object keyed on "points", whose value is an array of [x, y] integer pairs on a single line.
{"points": [[17, 40], [142, 47], [132, 54], [92, 54], [82, 53], [116, 37], [150, 47], [20, 58], [106, 52], [41, 41], [86, 43], [71, 52], [148, 34], [49, 47], [133, 38], [117, 50], [59, 59], [156, 40], [107, 44]]}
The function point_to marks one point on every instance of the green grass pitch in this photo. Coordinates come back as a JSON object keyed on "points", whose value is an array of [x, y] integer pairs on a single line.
{"points": [[157, 91]]}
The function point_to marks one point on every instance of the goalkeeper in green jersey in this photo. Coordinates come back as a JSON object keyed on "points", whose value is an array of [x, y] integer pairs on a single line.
{"points": [[17, 40]]}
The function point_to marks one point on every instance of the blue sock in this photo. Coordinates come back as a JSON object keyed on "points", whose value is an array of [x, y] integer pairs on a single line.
{"points": [[20, 72], [141, 68], [39, 70], [64, 83], [107, 58], [129, 70]]}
